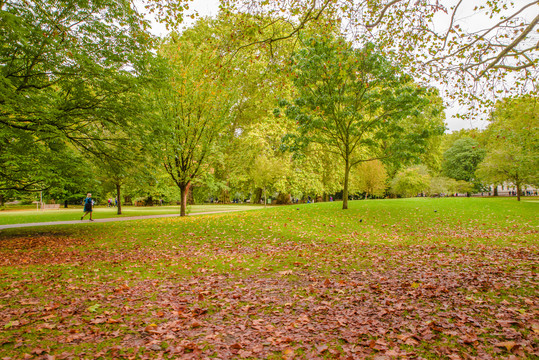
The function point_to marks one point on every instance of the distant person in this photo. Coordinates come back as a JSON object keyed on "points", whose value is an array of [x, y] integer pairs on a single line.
{"points": [[88, 206], [116, 202]]}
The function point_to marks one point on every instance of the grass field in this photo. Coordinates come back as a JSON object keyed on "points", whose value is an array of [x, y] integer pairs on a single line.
{"points": [[30, 215], [450, 278]]}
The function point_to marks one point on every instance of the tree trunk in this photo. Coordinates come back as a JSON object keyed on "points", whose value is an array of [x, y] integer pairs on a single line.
{"points": [[119, 212], [518, 191], [184, 190], [495, 190], [265, 198], [345, 190], [257, 196]]}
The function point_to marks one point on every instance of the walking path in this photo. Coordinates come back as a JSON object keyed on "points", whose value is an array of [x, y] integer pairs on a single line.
{"points": [[127, 218]]}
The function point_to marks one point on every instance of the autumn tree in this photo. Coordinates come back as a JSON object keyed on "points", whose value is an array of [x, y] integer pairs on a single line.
{"points": [[355, 103], [192, 107], [512, 150], [266, 173], [411, 181], [253, 133], [479, 49], [369, 178]]}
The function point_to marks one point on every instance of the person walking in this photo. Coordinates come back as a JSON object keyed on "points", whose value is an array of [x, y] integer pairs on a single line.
{"points": [[88, 206]]}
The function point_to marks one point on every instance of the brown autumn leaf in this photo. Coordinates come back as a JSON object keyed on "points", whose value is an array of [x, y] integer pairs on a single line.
{"points": [[321, 348], [37, 351], [288, 352], [98, 320], [152, 328], [506, 344], [196, 324]]}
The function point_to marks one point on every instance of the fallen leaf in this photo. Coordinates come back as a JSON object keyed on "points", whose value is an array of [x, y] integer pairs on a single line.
{"points": [[506, 344]]}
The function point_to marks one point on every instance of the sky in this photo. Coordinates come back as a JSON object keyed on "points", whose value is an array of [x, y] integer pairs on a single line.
{"points": [[211, 8]]}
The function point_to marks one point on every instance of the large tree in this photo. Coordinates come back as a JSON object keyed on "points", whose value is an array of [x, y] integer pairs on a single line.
{"points": [[480, 49], [193, 105], [355, 103], [67, 72], [512, 143], [461, 160]]}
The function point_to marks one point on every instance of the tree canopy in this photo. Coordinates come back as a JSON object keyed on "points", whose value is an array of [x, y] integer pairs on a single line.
{"points": [[67, 73], [480, 49], [356, 103], [512, 144]]}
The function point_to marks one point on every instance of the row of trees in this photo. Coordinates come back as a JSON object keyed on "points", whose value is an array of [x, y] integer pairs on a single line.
{"points": [[247, 103], [506, 152]]}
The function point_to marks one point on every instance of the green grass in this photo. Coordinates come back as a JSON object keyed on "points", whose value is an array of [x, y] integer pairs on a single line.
{"points": [[24, 216], [431, 278]]}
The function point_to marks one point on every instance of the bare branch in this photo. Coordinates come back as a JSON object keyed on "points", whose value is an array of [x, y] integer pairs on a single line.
{"points": [[381, 16], [451, 23], [509, 47]]}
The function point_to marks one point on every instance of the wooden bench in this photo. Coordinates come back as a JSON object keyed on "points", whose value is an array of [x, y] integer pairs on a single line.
{"points": [[50, 206]]}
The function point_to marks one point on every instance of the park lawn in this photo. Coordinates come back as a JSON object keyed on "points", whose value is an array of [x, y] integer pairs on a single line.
{"points": [[75, 213], [450, 278]]}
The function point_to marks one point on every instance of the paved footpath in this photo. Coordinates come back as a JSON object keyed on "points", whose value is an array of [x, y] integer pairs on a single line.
{"points": [[127, 218]]}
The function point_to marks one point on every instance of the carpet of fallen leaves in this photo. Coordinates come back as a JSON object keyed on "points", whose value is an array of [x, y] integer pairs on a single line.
{"points": [[220, 294]]}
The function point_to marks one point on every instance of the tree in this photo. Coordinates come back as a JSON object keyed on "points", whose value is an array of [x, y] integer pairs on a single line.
{"points": [[411, 181], [461, 160], [355, 103], [193, 107], [512, 143], [266, 173], [369, 178], [66, 71], [430, 37], [442, 185]]}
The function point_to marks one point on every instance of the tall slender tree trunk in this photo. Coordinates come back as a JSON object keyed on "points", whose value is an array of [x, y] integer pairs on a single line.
{"points": [[265, 198], [345, 190], [119, 212], [518, 191], [184, 190], [495, 190]]}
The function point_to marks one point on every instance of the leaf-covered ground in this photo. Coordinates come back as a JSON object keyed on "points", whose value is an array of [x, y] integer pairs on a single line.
{"points": [[402, 279]]}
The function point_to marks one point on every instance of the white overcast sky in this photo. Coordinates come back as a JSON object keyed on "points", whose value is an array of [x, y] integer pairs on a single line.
{"points": [[465, 15]]}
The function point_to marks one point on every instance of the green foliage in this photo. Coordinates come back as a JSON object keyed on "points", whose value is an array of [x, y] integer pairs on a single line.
{"points": [[512, 143], [461, 160], [369, 178], [411, 181], [446, 42], [64, 83], [269, 173], [356, 104], [192, 105], [443, 185]]}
